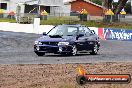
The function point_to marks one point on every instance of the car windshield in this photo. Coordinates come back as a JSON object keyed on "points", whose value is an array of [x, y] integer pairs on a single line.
{"points": [[63, 31]]}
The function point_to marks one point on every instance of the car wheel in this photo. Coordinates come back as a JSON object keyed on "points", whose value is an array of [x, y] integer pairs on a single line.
{"points": [[81, 80], [74, 50], [95, 50], [39, 53]]}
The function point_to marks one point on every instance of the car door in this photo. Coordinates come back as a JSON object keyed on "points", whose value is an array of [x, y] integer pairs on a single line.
{"points": [[93, 34], [81, 40], [89, 38]]}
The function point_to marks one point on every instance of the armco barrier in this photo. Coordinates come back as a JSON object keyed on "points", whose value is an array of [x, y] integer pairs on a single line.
{"points": [[115, 34]]}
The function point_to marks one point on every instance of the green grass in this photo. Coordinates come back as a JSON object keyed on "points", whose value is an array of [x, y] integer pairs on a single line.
{"points": [[70, 20], [59, 20], [7, 20], [75, 20]]}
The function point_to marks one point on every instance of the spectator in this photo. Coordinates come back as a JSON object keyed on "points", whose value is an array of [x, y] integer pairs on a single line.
{"points": [[11, 15]]}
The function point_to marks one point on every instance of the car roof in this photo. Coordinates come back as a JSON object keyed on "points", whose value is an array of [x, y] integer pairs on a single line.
{"points": [[74, 25]]}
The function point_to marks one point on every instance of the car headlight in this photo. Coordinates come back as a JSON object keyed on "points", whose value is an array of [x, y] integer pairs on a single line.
{"points": [[63, 43], [38, 42]]}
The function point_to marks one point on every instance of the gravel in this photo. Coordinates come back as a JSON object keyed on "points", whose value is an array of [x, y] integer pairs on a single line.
{"points": [[59, 75]]}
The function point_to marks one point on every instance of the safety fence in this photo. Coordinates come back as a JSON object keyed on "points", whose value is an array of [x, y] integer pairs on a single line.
{"points": [[31, 16], [118, 18]]}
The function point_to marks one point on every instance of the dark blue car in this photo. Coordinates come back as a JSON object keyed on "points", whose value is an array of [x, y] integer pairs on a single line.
{"points": [[67, 39]]}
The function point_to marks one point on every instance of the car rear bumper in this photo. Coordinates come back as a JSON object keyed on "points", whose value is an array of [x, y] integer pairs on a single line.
{"points": [[52, 49]]}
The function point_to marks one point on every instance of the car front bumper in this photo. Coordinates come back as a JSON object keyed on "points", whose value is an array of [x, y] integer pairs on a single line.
{"points": [[53, 49]]}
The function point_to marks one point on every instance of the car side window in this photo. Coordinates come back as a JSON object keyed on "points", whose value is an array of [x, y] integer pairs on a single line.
{"points": [[87, 31], [81, 30], [72, 30]]}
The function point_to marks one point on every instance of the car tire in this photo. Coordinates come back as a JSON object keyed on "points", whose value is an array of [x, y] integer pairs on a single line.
{"points": [[95, 50], [40, 53], [81, 80]]}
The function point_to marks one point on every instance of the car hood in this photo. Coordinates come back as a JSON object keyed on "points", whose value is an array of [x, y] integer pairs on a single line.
{"points": [[56, 39]]}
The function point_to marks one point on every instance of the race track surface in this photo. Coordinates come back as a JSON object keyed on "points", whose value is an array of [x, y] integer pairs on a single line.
{"points": [[17, 48]]}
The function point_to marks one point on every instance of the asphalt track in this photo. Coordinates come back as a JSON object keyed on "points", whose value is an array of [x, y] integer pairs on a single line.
{"points": [[17, 48]]}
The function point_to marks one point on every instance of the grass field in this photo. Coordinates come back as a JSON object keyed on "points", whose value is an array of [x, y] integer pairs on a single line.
{"points": [[92, 23], [75, 20], [7, 20]]}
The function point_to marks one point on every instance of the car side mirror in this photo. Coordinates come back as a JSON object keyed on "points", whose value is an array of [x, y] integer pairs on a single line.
{"points": [[93, 32], [80, 35], [44, 33]]}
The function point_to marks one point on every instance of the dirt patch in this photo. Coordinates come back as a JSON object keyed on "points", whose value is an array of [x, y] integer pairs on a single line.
{"points": [[58, 75]]}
